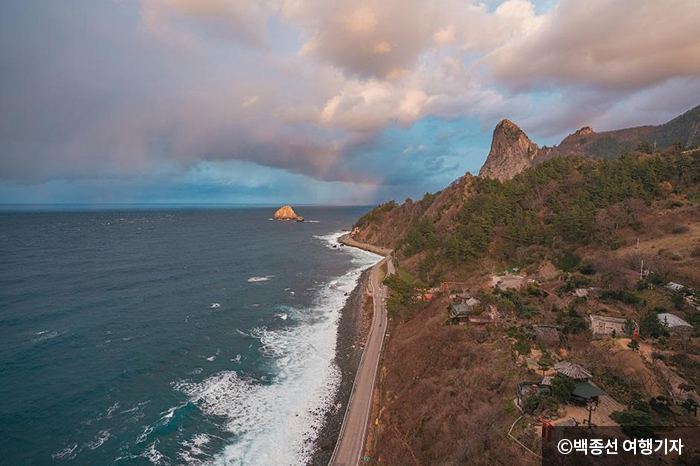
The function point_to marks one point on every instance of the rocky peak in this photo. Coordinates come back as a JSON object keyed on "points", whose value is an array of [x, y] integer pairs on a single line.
{"points": [[287, 213], [511, 152], [584, 131]]}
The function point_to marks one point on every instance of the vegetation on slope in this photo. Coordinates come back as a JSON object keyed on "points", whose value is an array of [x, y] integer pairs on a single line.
{"points": [[563, 203]]}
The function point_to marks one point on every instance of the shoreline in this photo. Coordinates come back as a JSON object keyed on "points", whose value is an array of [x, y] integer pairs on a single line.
{"points": [[352, 335], [347, 241]]}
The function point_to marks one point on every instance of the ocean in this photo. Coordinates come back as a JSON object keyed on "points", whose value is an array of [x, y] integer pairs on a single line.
{"points": [[169, 336]]}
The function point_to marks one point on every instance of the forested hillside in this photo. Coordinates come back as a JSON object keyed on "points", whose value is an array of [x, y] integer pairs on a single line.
{"points": [[543, 253], [562, 204]]}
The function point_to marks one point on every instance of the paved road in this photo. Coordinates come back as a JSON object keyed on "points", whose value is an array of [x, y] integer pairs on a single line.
{"points": [[352, 435]]}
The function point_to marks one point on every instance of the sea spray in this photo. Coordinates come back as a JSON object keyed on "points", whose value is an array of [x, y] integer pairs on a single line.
{"points": [[276, 423]]}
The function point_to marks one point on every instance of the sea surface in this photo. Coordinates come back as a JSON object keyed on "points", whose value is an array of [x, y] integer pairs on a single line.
{"points": [[169, 336]]}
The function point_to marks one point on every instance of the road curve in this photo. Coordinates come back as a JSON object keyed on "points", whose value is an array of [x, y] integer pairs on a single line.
{"points": [[351, 438]]}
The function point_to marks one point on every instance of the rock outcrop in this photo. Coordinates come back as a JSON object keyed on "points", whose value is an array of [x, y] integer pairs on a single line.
{"points": [[511, 152], [287, 213]]}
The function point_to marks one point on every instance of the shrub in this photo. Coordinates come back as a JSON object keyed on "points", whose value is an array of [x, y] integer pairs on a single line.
{"points": [[679, 229], [635, 423], [624, 296], [567, 261], [678, 299], [522, 346], [505, 305]]}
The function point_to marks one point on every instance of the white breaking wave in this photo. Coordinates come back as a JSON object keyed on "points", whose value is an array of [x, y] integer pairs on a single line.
{"points": [[193, 452], [260, 279], [45, 335], [101, 438], [275, 424]]}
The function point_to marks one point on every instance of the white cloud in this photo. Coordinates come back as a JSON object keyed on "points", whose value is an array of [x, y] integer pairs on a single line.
{"points": [[607, 44]]}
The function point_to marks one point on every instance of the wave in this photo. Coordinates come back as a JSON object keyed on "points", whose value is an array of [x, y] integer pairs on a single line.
{"points": [[66, 453], [192, 453], [275, 421], [101, 438], [260, 279], [45, 335]]}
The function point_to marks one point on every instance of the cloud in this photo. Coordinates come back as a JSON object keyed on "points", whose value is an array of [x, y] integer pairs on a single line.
{"points": [[366, 39], [342, 93], [603, 44], [241, 20]]}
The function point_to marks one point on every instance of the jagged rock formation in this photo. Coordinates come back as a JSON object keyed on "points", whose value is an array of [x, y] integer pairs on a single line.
{"points": [[287, 213], [511, 152]]}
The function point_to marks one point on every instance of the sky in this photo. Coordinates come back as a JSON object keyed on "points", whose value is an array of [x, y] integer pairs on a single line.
{"points": [[316, 101]]}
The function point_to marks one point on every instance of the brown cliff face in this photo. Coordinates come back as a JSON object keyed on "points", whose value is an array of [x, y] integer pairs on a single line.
{"points": [[511, 152], [287, 213]]}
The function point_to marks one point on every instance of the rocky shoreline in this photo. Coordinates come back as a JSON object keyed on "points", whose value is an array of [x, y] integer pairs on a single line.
{"points": [[352, 334]]}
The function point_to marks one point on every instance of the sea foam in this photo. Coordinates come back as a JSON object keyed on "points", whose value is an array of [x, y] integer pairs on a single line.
{"points": [[260, 279], [275, 424]]}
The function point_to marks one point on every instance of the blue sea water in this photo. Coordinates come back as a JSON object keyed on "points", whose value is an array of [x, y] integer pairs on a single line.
{"points": [[179, 336]]}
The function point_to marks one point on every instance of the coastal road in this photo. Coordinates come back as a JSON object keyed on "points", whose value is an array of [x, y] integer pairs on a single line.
{"points": [[352, 435]]}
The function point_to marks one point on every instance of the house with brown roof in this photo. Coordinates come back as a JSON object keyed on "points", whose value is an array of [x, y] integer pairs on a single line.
{"points": [[584, 390]]}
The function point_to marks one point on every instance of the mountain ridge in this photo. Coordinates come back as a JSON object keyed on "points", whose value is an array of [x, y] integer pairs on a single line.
{"points": [[386, 225], [512, 151]]}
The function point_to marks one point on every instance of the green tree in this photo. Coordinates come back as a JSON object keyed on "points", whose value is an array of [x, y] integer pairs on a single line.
{"points": [[531, 401], [562, 388], [402, 296], [650, 325]]}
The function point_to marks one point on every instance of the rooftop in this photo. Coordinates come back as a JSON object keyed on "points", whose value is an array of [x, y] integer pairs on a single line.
{"points": [[572, 370], [614, 320], [672, 320]]}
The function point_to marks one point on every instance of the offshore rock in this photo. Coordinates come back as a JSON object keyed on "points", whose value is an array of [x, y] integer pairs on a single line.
{"points": [[287, 213]]}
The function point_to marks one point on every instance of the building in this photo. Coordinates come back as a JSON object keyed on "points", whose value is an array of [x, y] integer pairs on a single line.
{"points": [[677, 287], [674, 323], [605, 325], [480, 320], [584, 390], [460, 312], [459, 297]]}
